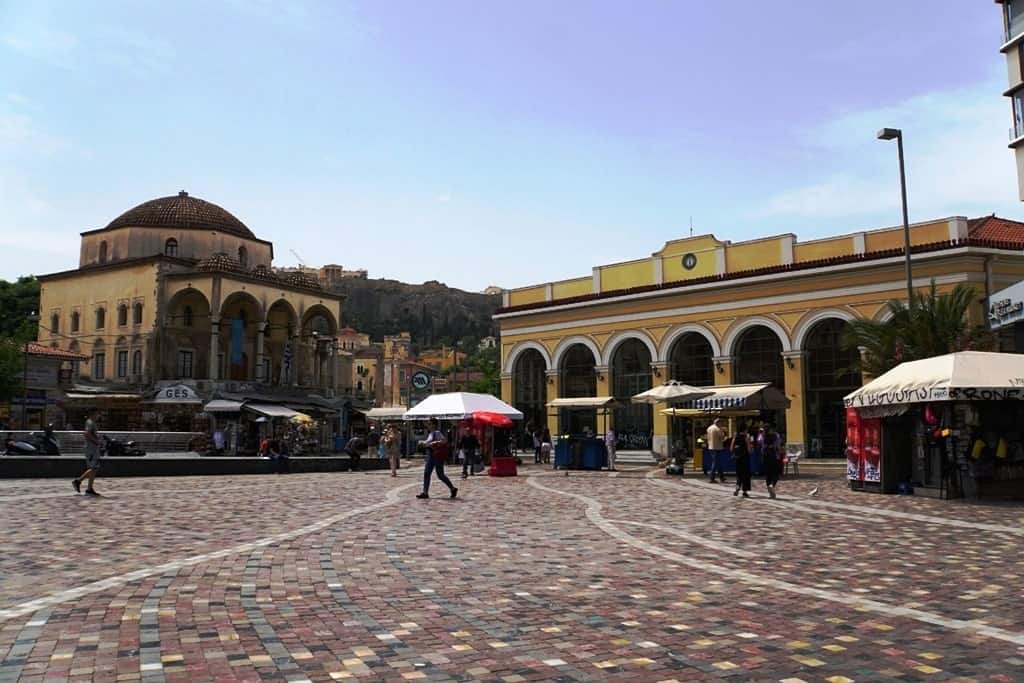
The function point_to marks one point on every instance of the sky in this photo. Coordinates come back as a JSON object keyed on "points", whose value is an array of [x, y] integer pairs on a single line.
{"points": [[496, 143]]}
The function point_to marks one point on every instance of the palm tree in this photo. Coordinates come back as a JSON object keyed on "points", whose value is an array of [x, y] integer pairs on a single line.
{"points": [[932, 324]]}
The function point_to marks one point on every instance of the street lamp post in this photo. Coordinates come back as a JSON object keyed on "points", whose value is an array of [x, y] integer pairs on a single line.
{"points": [[897, 134], [31, 317]]}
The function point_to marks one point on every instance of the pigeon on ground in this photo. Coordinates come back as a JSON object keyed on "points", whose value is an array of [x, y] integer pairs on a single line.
{"points": [[813, 492]]}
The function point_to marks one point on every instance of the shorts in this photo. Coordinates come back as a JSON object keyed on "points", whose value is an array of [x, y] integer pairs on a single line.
{"points": [[92, 461]]}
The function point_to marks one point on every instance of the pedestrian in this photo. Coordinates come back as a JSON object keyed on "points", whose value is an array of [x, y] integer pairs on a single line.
{"points": [[280, 454], [93, 454], [536, 445], [609, 442], [742, 445], [373, 442], [437, 452], [545, 446], [716, 444], [468, 444], [393, 448], [772, 460], [354, 449]]}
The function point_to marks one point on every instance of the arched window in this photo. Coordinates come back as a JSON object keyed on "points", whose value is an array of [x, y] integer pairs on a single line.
{"points": [[75, 321], [187, 313], [137, 362], [101, 318], [171, 247], [122, 315], [55, 324], [103, 251], [243, 256], [137, 313]]}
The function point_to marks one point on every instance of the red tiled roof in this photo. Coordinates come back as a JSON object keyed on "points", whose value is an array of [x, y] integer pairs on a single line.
{"points": [[995, 228], [36, 349]]}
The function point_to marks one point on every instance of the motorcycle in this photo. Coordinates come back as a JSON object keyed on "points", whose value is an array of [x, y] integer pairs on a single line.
{"points": [[34, 444], [122, 449]]}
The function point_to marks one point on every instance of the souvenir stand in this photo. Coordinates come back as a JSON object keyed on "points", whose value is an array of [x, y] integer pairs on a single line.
{"points": [[384, 417], [492, 431], [227, 416], [581, 450], [671, 393], [738, 404], [947, 426], [462, 406]]}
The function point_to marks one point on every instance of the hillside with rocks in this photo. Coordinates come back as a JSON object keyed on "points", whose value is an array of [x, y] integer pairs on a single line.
{"points": [[432, 313]]}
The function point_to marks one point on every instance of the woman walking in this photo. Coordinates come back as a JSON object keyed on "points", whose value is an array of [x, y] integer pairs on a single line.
{"points": [[742, 444], [393, 448], [772, 461], [437, 452]]}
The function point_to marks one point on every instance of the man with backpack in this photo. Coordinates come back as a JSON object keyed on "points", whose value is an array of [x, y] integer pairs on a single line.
{"points": [[437, 452]]}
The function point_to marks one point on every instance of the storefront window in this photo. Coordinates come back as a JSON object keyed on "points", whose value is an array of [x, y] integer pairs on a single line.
{"points": [[831, 374], [99, 363], [691, 359], [122, 364], [529, 388], [578, 380], [631, 374], [185, 364]]}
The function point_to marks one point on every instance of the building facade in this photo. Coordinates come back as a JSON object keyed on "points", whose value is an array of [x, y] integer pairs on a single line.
{"points": [[178, 289], [711, 312], [1013, 37]]}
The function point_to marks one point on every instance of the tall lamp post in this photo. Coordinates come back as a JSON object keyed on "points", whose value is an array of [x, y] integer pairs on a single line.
{"points": [[31, 317], [897, 135]]}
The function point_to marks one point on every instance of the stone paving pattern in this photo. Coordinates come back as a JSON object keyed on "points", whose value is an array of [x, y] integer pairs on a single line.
{"points": [[591, 576]]}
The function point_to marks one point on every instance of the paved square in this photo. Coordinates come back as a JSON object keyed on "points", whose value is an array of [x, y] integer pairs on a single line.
{"points": [[632, 576]]}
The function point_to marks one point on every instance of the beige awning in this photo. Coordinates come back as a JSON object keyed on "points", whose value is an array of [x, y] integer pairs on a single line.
{"points": [[582, 402], [271, 410]]}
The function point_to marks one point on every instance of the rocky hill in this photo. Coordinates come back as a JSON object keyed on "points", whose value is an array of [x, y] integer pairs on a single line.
{"points": [[432, 312]]}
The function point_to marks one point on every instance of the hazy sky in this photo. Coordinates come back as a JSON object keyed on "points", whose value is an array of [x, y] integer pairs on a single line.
{"points": [[503, 143]]}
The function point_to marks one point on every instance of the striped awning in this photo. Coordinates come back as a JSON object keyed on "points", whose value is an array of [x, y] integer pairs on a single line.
{"points": [[741, 397]]}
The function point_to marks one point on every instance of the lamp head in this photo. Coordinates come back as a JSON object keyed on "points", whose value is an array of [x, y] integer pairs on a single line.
{"points": [[889, 133]]}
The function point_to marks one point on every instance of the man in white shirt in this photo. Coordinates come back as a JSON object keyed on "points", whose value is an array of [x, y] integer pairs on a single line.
{"points": [[715, 446], [437, 453]]}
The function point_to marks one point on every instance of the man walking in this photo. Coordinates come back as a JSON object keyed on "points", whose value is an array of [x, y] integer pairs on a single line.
{"points": [[716, 444], [437, 452], [609, 442], [742, 444], [468, 444], [93, 453]]}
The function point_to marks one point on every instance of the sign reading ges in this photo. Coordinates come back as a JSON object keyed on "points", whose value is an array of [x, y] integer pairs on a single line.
{"points": [[420, 380], [177, 393]]}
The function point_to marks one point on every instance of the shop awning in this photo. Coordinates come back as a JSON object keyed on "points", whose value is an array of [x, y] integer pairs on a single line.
{"points": [[390, 413], [671, 392], [761, 396], [79, 396], [220, 405], [271, 410], [693, 412], [582, 402], [459, 405], [961, 376]]}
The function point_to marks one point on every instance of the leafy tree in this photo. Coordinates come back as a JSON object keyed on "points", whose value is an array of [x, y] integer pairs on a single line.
{"points": [[932, 324], [17, 300]]}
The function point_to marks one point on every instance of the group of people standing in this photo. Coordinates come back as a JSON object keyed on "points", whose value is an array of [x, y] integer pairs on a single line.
{"points": [[747, 441]]}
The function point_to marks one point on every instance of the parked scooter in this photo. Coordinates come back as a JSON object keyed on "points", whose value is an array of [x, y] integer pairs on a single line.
{"points": [[34, 444], [122, 449]]}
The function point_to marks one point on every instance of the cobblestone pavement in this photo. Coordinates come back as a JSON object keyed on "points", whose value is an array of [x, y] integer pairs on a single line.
{"points": [[591, 576]]}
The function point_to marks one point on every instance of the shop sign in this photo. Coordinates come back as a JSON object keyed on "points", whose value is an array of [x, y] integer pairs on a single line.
{"points": [[420, 380], [1006, 307], [42, 375], [177, 393]]}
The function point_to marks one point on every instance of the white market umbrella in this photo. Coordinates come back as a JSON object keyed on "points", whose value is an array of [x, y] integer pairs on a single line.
{"points": [[460, 405], [671, 390], [961, 376]]}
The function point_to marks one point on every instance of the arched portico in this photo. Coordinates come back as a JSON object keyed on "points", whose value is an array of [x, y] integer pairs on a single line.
{"points": [[558, 357], [738, 328], [680, 331], [805, 324], [522, 347], [620, 338]]}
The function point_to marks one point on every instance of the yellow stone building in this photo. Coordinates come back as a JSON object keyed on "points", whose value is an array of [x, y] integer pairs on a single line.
{"points": [[177, 288], [707, 311]]}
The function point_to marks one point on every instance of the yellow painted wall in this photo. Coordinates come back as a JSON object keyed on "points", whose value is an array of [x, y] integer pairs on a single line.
{"points": [[689, 245], [673, 271], [822, 249], [623, 275], [919, 234], [750, 255], [529, 295], [580, 286]]}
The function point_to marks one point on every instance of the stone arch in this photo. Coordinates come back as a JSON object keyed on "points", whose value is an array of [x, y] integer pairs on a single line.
{"points": [[807, 323], [567, 343], [320, 310], [883, 315], [677, 333], [278, 303], [617, 339], [737, 329], [518, 349], [181, 296], [243, 296]]}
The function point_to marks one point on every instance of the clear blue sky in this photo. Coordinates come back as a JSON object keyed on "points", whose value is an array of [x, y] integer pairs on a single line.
{"points": [[487, 143]]}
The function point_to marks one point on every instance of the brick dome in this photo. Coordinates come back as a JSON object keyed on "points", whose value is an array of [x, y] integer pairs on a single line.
{"points": [[181, 212]]}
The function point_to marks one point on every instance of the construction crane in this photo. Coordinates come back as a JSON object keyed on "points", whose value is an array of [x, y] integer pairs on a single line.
{"points": [[299, 258]]}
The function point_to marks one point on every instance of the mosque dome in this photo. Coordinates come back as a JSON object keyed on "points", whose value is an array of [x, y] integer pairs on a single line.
{"points": [[181, 212]]}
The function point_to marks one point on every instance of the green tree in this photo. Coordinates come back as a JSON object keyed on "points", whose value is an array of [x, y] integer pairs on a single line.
{"points": [[17, 300], [932, 324]]}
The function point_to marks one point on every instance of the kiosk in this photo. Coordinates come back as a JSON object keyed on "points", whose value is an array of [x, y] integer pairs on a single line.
{"points": [[581, 450]]}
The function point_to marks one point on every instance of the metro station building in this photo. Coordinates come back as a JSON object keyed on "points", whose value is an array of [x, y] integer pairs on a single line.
{"points": [[707, 311]]}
